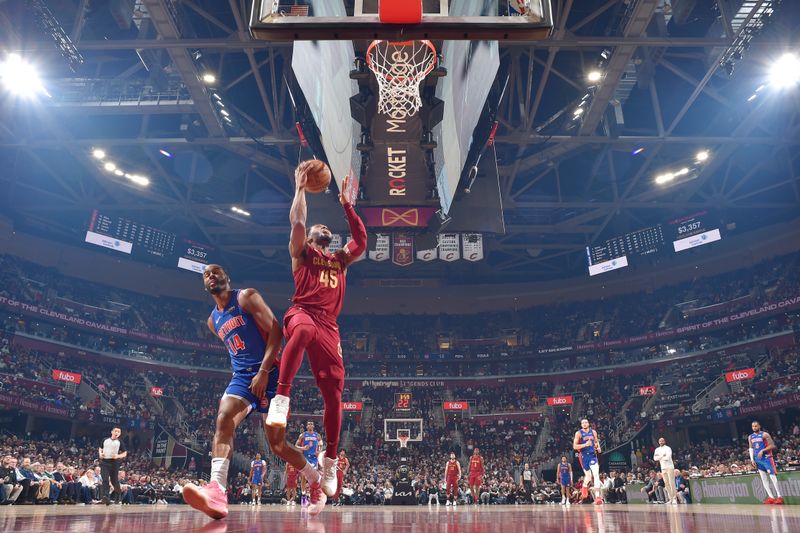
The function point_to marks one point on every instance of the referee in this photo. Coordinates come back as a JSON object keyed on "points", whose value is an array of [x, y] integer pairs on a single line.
{"points": [[112, 452]]}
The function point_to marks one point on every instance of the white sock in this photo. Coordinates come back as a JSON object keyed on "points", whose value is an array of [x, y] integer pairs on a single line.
{"points": [[765, 482], [774, 479], [219, 471], [311, 474]]}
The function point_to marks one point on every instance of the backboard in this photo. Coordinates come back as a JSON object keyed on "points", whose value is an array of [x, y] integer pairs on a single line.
{"points": [[496, 20]]}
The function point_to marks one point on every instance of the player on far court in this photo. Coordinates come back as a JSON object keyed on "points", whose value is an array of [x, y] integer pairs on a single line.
{"points": [[761, 446], [476, 473], [565, 479], [252, 335], [258, 468], [291, 484], [309, 441], [452, 473], [588, 444], [342, 466], [310, 323]]}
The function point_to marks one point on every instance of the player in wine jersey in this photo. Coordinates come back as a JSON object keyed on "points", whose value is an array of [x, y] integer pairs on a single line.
{"points": [[476, 473], [761, 446], [291, 484], [258, 469], [342, 466], [309, 442], [310, 323], [588, 444], [452, 473], [564, 479], [252, 335]]}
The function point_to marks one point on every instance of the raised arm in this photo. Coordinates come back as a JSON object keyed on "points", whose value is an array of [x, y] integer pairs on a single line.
{"points": [[298, 214], [358, 245]]}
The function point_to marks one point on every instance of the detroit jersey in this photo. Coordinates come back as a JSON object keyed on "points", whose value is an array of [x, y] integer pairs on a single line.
{"points": [[319, 283], [258, 470], [563, 473], [588, 437], [758, 442], [238, 330], [313, 439]]}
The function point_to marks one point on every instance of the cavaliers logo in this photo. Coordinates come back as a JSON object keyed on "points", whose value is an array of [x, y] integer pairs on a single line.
{"points": [[392, 217]]}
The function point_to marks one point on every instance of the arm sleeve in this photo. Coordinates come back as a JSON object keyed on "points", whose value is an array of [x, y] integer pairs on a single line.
{"points": [[752, 455], [358, 245]]}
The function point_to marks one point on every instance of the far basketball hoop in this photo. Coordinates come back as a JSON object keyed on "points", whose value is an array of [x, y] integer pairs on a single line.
{"points": [[399, 68]]}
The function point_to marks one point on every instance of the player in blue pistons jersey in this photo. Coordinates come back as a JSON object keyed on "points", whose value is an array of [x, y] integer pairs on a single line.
{"points": [[588, 444], [258, 469], [252, 335], [564, 479], [309, 442], [761, 446]]}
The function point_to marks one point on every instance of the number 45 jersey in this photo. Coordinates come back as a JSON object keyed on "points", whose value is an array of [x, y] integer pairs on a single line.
{"points": [[319, 284], [237, 329]]}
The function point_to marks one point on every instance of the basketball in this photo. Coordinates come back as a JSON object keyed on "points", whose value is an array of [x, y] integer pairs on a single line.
{"points": [[318, 175]]}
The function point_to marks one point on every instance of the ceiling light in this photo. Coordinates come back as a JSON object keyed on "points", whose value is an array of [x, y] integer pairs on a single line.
{"points": [[594, 76], [164, 153], [752, 97], [240, 211], [682, 172], [98, 154], [785, 72], [111, 167], [702, 156], [209, 78], [118, 172], [225, 113], [638, 150], [578, 111], [665, 178], [217, 96], [139, 180], [21, 78]]}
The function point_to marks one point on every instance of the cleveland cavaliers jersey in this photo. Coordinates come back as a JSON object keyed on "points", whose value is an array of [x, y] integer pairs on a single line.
{"points": [[238, 330], [452, 468], [320, 282], [476, 464]]}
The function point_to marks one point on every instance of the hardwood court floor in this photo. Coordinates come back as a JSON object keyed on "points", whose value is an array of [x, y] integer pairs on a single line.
{"points": [[422, 519]]}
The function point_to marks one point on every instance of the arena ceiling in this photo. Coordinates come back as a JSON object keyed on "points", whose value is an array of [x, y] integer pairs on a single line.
{"points": [[678, 77]]}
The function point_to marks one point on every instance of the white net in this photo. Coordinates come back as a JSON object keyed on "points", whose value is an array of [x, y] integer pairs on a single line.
{"points": [[399, 68]]}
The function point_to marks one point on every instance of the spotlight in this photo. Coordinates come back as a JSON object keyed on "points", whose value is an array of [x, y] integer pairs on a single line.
{"points": [[682, 172], [701, 156], [164, 153], [98, 154], [111, 167], [118, 172], [785, 73], [138, 180], [665, 178], [594, 76], [21, 78], [638, 150], [578, 112], [239, 211], [209, 78], [224, 113]]}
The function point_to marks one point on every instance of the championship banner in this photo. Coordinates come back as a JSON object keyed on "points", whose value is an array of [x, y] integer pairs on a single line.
{"points": [[352, 406], [336, 243], [156, 391], [472, 244], [63, 375], [455, 406], [743, 489], [381, 251], [426, 255], [448, 247], [647, 391], [740, 375], [559, 400], [397, 217], [402, 249]]}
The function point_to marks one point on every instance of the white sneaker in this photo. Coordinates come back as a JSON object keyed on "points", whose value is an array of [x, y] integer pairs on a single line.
{"points": [[278, 411], [568, 504], [455, 504], [448, 504], [329, 480]]}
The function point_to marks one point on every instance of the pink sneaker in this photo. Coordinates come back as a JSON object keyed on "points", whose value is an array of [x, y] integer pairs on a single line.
{"points": [[317, 499], [598, 501], [210, 499]]}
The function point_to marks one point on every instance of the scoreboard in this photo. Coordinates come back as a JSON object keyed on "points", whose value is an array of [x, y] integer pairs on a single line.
{"points": [[693, 230], [402, 401], [146, 243], [641, 242]]}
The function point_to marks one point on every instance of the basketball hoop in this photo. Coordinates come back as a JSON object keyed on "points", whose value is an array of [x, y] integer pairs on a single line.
{"points": [[399, 68], [403, 440]]}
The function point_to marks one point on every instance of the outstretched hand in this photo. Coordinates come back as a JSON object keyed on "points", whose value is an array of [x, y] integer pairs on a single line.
{"points": [[301, 175], [344, 194]]}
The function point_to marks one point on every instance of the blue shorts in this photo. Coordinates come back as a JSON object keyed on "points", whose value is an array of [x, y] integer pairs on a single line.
{"points": [[256, 480], [588, 462], [565, 481], [239, 387], [312, 459], [766, 464]]}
